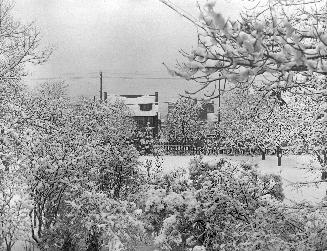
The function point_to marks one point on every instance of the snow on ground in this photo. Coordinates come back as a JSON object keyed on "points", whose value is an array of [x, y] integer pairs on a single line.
{"points": [[294, 169]]}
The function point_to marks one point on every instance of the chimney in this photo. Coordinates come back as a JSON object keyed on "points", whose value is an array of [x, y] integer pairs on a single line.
{"points": [[105, 96], [156, 97]]}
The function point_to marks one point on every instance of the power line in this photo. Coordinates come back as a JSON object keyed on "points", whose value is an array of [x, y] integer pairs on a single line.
{"points": [[181, 9], [101, 77], [151, 72], [107, 77]]}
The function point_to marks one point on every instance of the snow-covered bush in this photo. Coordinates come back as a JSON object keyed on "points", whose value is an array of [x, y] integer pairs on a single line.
{"points": [[92, 221], [224, 207]]}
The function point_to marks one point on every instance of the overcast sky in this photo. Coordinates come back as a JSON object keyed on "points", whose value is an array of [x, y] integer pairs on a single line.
{"points": [[126, 39]]}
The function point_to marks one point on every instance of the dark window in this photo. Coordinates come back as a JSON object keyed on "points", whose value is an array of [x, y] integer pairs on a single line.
{"points": [[141, 122], [210, 108], [150, 120], [145, 107], [203, 114], [131, 96]]}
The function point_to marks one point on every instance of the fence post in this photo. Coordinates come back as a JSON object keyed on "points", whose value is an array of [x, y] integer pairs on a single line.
{"points": [[279, 156]]}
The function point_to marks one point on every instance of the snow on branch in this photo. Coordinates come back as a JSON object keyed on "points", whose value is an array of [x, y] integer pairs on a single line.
{"points": [[276, 45]]}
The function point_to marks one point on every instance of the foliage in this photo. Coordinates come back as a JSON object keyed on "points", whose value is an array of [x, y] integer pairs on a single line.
{"points": [[274, 49], [297, 123], [92, 221], [311, 126], [74, 149], [257, 122], [143, 140], [276, 46], [227, 207], [15, 205], [19, 44], [71, 169], [19, 47], [183, 125]]}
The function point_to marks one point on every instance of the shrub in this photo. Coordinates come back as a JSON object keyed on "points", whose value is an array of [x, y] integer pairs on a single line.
{"points": [[224, 207]]}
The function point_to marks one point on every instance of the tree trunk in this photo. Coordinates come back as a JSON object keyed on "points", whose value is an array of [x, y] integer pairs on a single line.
{"points": [[8, 246], [93, 241], [324, 175], [263, 155], [68, 245]]}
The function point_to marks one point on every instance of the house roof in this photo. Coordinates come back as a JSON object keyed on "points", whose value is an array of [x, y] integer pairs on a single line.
{"points": [[134, 102]]}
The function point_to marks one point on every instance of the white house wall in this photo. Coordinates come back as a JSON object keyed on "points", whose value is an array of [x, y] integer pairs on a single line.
{"points": [[134, 105]]}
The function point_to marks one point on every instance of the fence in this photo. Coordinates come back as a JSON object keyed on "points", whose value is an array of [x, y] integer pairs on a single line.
{"points": [[193, 150]]}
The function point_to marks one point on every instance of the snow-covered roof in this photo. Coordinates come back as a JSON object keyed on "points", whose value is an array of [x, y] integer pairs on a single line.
{"points": [[134, 102], [144, 99]]}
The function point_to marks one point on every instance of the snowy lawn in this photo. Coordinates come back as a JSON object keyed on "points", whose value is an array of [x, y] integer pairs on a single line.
{"points": [[294, 169]]}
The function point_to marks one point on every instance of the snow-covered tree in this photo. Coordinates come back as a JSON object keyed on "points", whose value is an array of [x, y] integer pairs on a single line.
{"points": [[274, 49], [276, 46], [71, 150], [20, 46], [183, 125], [15, 205], [257, 122], [311, 118]]}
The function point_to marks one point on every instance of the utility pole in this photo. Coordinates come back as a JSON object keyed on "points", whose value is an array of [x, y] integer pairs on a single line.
{"points": [[219, 98], [279, 150], [219, 93], [101, 85]]}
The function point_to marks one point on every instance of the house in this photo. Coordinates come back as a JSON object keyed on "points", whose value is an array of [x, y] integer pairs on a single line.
{"points": [[145, 110]]}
